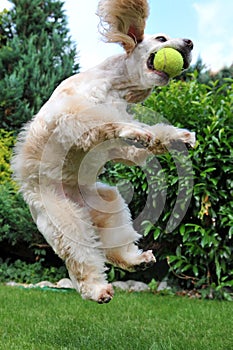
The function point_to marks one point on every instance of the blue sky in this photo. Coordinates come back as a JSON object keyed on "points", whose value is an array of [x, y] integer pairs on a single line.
{"points": [[209, 23]]}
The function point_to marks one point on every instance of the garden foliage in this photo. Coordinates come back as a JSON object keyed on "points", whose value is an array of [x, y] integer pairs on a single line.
{"points": [[200, 248], [23, 272], [7, 140]]}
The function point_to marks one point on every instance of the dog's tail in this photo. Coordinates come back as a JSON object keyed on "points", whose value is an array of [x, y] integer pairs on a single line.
{"points": [[123, 21]]}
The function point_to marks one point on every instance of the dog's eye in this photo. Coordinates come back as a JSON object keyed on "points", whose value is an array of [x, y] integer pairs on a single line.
{"points": [[162, 39]]}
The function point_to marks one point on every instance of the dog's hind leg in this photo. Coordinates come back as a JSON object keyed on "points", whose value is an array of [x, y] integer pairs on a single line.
{"points": [[118, 237], [68, 229]]}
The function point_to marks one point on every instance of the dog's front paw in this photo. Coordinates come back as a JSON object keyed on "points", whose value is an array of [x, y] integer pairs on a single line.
{"points": [[147, 259], [166, 136], [186, 136], [138, 137]]}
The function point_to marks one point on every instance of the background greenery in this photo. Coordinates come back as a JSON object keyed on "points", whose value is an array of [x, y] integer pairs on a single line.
{"points": [[199, 250], [36, 53]]}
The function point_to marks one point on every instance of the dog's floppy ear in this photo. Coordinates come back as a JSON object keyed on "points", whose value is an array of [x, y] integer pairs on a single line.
{"points": [[123, 21]]}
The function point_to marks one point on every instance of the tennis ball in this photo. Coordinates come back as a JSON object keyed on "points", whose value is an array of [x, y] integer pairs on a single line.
{"points": [[169, 60]]}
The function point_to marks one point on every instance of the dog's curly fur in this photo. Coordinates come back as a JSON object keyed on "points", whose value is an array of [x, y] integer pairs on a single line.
{"points": [[59, 154]]}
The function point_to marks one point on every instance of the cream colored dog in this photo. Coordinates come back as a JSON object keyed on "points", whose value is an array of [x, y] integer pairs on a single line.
{"points": [[61, 151]]}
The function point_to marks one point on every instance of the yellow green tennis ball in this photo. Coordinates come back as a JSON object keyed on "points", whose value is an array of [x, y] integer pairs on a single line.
{"points": [[169, 60]]}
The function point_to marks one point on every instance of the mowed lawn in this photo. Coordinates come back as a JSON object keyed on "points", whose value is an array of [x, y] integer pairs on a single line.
{"points": [[43, 320]]}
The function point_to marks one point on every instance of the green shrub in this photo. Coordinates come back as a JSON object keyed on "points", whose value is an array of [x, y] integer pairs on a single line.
{"points": [[21, 272], [206, 233], [7, 141], [16, 224], [200, 248]]}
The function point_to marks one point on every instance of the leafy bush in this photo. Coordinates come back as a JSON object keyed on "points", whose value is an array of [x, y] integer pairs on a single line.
{"points": [[206, 233], [200, 247], [21, 272], [7, 140], [19, 238], [16, 224]]}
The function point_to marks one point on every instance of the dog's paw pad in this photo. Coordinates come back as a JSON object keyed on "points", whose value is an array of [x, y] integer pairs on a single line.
{"points": [[144, 266], [106, 295]]}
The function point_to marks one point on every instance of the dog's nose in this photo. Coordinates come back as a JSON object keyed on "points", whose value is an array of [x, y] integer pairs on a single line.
{"points": [[189, 43]]}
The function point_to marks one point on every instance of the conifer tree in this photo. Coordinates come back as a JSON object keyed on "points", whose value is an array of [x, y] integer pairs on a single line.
{"points": [[36, 54]]}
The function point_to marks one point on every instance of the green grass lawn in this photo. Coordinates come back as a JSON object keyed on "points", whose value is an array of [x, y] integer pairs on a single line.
{"points": [[43, 320]]}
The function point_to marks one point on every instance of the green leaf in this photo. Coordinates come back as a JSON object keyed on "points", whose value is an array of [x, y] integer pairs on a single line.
{"points": [[182, 229], [195, 270], [156, 233], [148, 227]]}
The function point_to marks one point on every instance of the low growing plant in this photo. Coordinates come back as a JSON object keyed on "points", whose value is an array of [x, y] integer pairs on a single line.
{"points": [[22, 272]]}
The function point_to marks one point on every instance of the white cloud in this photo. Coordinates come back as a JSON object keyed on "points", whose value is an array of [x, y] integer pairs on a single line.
{"points": [[207, 16], [215, 27]]}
